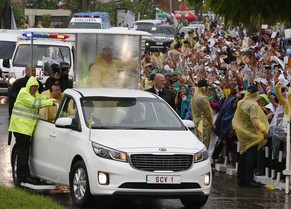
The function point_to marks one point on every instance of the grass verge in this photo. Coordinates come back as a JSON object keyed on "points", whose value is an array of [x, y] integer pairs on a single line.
{"points": [[16, 198]]}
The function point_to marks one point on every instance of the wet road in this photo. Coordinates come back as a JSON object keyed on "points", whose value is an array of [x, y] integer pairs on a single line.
{"points": [[224, 194]]}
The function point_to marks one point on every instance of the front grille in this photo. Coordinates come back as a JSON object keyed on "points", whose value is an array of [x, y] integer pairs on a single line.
{"points": [[152, 162]]}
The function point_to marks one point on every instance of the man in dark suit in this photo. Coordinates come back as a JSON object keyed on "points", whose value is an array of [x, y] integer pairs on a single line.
{"points": [[159, 89]]}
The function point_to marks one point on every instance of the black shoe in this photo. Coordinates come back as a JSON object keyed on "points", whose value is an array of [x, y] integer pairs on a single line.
{"points": [[240, 184], [31, 180], [253, 184]]}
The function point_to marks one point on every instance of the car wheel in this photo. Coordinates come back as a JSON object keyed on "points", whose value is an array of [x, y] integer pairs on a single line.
{"points": [[14, 169], [194, 202], [79, 185]]}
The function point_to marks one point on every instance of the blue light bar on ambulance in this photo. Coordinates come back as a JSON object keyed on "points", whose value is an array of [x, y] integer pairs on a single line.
{"points": [[41, 35]]}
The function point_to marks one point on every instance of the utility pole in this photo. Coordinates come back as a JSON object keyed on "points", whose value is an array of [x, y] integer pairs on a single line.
{"points": [[84, 5], [7, 15], [154, 9]]}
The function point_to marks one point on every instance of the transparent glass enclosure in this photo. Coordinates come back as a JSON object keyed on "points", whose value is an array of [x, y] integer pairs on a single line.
{"points": [[105, 60]]}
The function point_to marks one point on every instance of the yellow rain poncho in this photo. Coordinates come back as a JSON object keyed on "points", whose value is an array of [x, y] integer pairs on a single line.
{"points": [[286, 102], [202, 115], [115, 74], [249, 122], [49, 113]]}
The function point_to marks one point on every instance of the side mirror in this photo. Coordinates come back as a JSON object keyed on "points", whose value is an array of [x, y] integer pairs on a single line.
{"points": [[65, 123], [189, 124], [6, 63]]}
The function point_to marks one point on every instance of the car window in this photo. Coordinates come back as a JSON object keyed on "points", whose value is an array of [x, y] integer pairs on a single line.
{"points": [[7, 49], [143, 26], [128, 113], [68, 108], [163, 30]]}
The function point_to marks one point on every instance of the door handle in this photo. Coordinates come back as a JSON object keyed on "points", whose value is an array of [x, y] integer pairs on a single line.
{"points": [[52, 135]]}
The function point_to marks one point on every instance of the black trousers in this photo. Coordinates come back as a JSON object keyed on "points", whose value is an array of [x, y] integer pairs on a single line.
{"points": [[246, 165], [22, 149]]}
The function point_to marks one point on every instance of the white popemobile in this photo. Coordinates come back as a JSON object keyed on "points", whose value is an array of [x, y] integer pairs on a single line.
{"points": [[117, 142]]}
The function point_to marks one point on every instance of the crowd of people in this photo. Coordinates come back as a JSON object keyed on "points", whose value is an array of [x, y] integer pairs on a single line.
{"points": [[220, 75]]}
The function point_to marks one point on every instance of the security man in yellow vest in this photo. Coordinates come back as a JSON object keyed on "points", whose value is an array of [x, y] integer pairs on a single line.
{"points": [[22, 123]]}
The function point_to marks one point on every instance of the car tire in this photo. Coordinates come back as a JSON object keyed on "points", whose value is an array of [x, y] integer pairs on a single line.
{"points": [[14, 169], [194, 202], [79, 185]]}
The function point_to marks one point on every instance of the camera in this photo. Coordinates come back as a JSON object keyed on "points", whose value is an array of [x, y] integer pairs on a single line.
{"points": [[64, 66], [60, 68], [55, 68]]}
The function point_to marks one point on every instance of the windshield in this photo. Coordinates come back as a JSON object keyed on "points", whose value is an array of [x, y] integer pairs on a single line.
{"points": [[85, 25], [164, 30], [7, 49], [41, 54], [129, 113], [143, 26]]}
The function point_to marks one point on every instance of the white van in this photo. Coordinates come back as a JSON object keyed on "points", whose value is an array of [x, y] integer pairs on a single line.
{"points": [[47, 49], [93, 20], [8, 40]]}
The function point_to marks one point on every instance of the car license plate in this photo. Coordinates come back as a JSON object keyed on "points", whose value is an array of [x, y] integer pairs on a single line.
{"points": [[159, 43], [163, 179]]}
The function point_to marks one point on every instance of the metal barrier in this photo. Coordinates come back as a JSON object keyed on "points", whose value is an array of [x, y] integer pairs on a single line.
{"points": [[272, 175], [287, 171], [270, 178]]}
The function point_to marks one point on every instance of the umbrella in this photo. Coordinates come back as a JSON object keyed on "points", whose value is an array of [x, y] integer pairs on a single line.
{"points": [[178, 16], [184, 8], [190, 16], [162, 14]]}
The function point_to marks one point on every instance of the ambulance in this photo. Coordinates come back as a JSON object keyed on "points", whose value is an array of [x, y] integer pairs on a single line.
{"points": [[8, 39], [90, 20], [40, 50]]}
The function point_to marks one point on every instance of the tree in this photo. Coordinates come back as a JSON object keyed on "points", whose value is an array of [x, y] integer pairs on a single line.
{"points": [[250, 12], [3, 6]]}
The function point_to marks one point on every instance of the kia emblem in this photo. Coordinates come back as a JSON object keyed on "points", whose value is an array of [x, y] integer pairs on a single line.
{"points": [[163, 149]]}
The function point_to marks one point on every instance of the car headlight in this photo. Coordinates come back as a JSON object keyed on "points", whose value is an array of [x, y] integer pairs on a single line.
{"points": [[108, 153], [201, 156], [171, 39]]}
